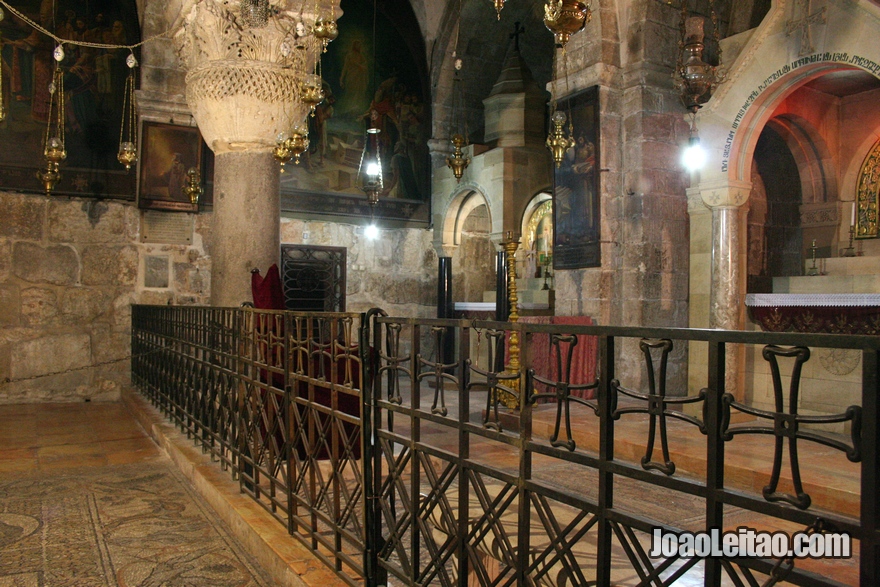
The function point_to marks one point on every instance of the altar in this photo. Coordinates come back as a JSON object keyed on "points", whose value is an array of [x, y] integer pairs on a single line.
{"points": [[834, 313], [842, 298]]}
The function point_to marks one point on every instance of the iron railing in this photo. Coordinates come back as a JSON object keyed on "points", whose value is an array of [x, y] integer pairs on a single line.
{"points": [[430, 482], [275, 397]]}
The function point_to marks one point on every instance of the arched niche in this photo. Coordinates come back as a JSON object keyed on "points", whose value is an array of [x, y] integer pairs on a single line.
{"points": [[536, 244]]}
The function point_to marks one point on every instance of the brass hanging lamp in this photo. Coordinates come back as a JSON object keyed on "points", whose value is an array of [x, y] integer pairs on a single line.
{"points": [[298, 142], [281, 152], [564, 18], [311, 91], [326, 29], [128, 154], [193, 186], [499, 5], [557, 141], [53, 144], [458, 161], [695, 78]]}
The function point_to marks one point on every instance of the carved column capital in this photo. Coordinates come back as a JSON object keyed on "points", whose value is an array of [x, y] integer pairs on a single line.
{"points": [[242, 82], [725, 194]]}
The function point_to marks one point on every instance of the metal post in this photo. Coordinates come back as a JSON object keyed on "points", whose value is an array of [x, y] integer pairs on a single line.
{"points": [[445, 307], [714, 453], [502, 306], [869, 560]]}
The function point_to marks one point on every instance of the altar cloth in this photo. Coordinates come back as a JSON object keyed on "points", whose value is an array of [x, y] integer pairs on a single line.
{"points": [[764, 300], [820, 313]]}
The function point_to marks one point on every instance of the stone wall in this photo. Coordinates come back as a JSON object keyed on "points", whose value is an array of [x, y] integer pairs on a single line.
{"points": [[396, 272], [70, 269]]}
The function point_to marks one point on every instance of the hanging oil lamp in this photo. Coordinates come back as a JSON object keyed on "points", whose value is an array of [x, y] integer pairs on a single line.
{"points": [[564, 18], [297, 143], [193, 187], [369, 175], [557, 142], [311, 91], [325, 30], [128, 154], [281, 152], [53, 145], [499, 5], [457, 162]]}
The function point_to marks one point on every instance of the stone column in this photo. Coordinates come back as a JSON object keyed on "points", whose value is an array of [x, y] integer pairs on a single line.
{"points": [[724, 297], [728, 204], [243, 83], [246, 223]]}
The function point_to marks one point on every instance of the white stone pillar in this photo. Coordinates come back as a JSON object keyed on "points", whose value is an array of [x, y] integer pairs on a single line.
{"points": [[728, 204], [725, 296], [246, 223], [242, 86]]}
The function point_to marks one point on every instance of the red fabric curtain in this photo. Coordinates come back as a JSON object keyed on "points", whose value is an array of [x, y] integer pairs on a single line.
{"points": [[267, 291]]}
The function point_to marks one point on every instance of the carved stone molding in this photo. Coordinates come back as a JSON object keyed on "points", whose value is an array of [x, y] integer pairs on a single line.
{"points": [[820, 214], [725, 195]]}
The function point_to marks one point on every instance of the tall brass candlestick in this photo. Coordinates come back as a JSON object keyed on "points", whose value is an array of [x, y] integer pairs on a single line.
{"points": [[510, 247]]}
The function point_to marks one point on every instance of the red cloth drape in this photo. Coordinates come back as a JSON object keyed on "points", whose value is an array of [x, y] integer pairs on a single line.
{"points": [[542, 357], [267, 291]]}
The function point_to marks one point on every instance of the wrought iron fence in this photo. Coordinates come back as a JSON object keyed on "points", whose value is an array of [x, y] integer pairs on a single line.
{"points": [[428, 473], [275, 397], [570, 492]]}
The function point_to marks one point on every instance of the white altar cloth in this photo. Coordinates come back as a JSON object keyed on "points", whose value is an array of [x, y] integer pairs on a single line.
{"points": [[827, 300]]}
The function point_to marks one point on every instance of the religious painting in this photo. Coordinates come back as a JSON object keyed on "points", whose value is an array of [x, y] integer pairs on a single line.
{"points": [[94, 84], [864, 216], [576, 187], [168, 152], [371, 79]]}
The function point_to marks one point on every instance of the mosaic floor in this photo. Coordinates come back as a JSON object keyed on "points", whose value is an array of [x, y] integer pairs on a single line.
{"points": [[70, 517]]}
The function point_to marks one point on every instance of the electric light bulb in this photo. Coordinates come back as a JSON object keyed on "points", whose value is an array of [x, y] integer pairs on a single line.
{"points": [[371, 232], [694, 156], [373, 169]]}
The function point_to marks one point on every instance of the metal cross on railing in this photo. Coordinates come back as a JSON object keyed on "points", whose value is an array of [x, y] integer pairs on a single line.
{"points": [[787, 424]]}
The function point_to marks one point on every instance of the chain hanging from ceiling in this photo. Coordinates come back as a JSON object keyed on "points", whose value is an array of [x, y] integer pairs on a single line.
{"points": [[128, 154], [458, 161], [54, 149]]}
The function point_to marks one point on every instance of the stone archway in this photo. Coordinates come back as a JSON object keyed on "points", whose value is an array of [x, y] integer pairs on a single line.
{"points": [[764, 73]]}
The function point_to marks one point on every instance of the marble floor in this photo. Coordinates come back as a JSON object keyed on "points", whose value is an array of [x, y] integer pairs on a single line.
{"points": [[50, 441]]}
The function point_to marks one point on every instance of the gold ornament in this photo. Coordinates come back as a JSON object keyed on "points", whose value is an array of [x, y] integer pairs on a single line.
{"points": [[311, 91], [325, 30], [499, 4], [297, 143], [128, 154], [564, 18], [557, 142], [193, 187], [457, 162]]}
